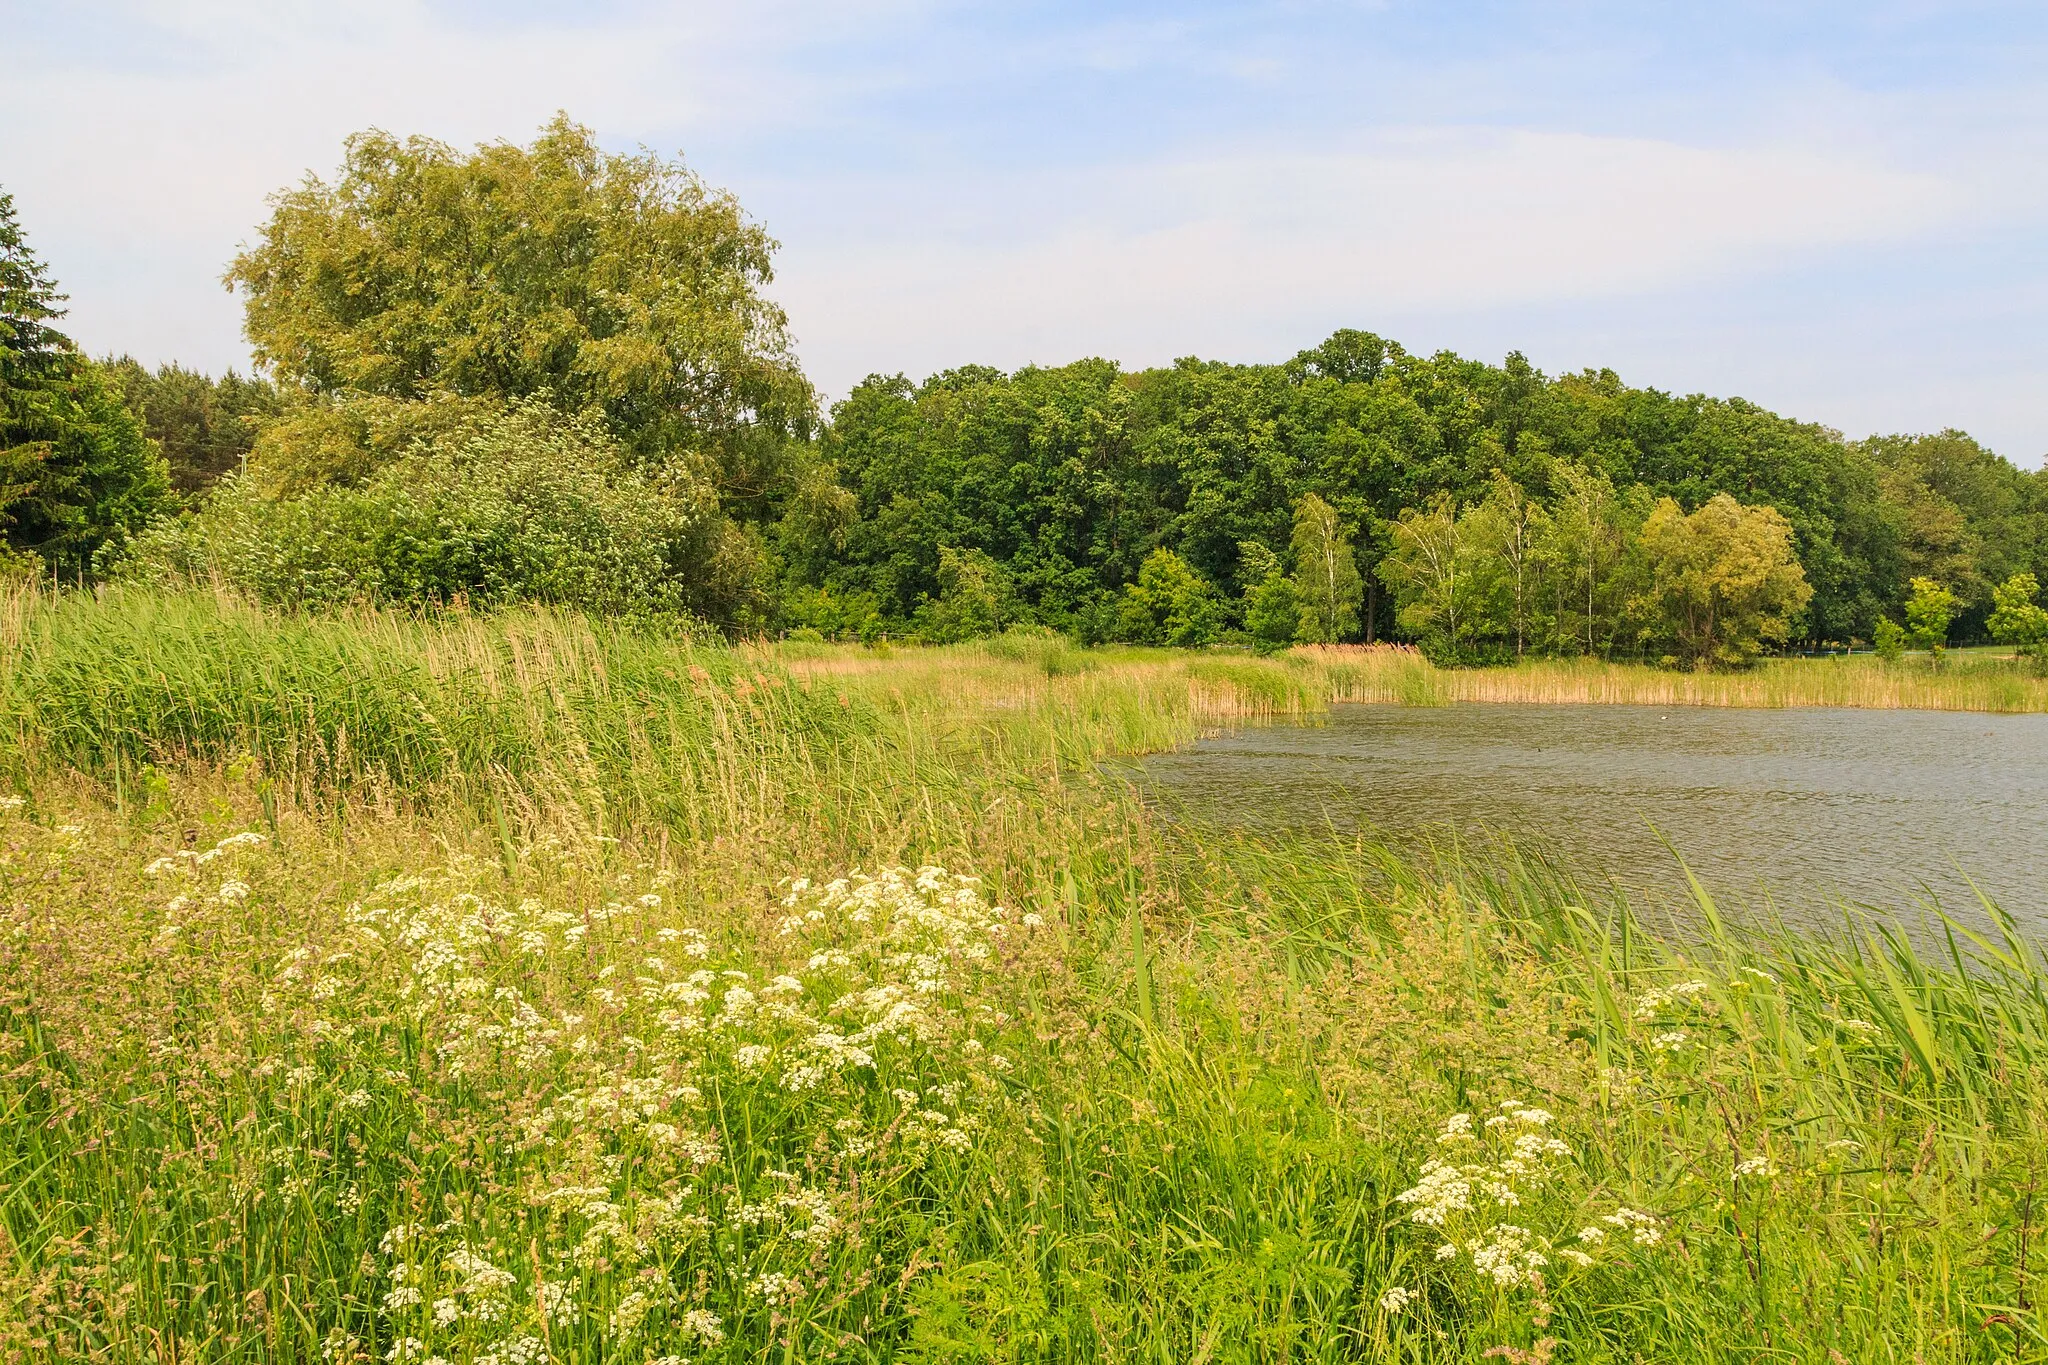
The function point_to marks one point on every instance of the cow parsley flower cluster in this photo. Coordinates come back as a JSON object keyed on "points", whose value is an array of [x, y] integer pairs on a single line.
{"points": [[868, 1040], [1498, 1175]]}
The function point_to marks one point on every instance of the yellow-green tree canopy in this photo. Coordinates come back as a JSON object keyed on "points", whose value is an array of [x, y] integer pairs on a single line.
{"points": [[621, 284], [2017, 619], [1724, 579]]}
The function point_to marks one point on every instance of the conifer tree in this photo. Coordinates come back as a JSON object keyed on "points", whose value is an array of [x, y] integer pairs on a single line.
{"points": [[35, 359], [76, 471]]}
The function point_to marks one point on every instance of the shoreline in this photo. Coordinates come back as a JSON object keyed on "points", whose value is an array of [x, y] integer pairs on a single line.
{"points": [[1368, 673]]}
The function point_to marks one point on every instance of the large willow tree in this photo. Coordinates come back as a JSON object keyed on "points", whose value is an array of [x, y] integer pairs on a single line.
{"points": [[593, 280]]}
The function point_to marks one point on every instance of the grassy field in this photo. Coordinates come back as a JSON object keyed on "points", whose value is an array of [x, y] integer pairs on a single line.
{"points": [[519, 990]]}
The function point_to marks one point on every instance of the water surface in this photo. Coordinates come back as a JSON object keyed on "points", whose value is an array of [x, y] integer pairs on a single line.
{"points": [[1804, 806]]}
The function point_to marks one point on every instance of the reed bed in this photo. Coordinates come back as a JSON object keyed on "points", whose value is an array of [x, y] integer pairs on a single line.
{"points": [[411, 1057], [1385, 673]]}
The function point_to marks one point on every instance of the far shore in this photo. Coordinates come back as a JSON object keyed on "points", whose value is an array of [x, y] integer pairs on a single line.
{"points": [[1963, 681]]}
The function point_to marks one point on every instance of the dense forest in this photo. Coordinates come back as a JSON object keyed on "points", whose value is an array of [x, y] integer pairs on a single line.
{"points": [[552, 373]]}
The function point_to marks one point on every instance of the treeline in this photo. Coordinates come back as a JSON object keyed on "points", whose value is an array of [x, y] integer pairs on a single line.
{"points": [[1069, 478], [548, 372]]}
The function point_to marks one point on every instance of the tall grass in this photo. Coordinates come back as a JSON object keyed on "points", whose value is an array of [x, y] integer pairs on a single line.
{"points": [[1960, 683], [433, 1033]]}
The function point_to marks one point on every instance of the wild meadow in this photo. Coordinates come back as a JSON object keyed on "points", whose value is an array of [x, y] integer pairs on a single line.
{"points": [[517, 989]]}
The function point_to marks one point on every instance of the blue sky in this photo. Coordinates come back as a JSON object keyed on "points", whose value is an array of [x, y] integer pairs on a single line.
{"points": [[1838, 210]]}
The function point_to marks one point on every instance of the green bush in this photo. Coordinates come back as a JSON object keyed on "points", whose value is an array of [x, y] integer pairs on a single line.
{"points": [[518, 505], [1890, 640]]}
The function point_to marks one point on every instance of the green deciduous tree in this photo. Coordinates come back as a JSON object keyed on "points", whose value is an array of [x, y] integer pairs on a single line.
{"points": [[1068, 476], [558, 271], [1588, 559], [1169, 604], [1272, 608], [2017, 618], [1506, 533], [1888, 638], [1326, 582], [1429, 571], [1724, 580], [1928, 613], [975, 598]]}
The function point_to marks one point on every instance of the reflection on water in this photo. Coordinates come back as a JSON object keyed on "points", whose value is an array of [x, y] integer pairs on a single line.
{"points": [[1807, 805]]}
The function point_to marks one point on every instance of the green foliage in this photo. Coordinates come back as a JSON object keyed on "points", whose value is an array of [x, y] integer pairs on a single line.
{"points": [[1069, 477], [1510, 534], [519, 505], [1958, 514], [77, 474], [1593, 571], [975, 598], [1272, 608], [1928, 614], [1889, 640], [1428, 571], [835, 616], [1170, 604], [620, 283], [205, 427], [1724, 580], [2017, 618], [1326, 582]]}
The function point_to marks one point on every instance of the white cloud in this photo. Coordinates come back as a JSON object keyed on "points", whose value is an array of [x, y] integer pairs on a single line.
{"points": [[141, 140], [1148, 262], [141, 161]]}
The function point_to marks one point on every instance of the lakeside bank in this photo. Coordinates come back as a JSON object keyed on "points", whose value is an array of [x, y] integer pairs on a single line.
{"points": [[352, 1007]]}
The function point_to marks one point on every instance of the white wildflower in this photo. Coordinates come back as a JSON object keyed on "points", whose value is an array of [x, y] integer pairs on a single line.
{"points": [[558, 1301], [1640, 1226], [704, 1325], [632, 1309], [775, 1288]]}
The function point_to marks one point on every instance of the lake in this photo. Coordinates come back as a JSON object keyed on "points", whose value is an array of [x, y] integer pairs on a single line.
{"points": [[1805, 806]]}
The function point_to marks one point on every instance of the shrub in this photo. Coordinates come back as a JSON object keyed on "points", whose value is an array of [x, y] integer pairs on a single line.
{"points": [[1928, 613], [515, 505]]}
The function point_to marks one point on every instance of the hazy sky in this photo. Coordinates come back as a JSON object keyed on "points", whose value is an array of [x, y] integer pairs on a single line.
{"points": [[1839, 210]]}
